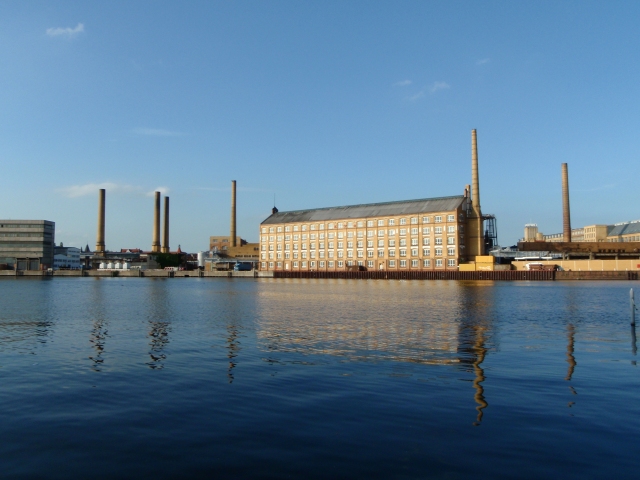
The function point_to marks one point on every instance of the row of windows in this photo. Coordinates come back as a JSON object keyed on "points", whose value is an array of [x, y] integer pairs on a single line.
{"points": [[36, 225], [360, 224], [426, 252], [370, 264], [34, 244], [361, 234], [360, 244], [19, 234]]}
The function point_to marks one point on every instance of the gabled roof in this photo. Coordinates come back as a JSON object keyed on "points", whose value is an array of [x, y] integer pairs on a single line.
{"points": [[404, 207]]}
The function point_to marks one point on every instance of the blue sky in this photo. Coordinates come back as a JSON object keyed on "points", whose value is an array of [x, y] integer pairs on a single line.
{"points": [[318, 103]]}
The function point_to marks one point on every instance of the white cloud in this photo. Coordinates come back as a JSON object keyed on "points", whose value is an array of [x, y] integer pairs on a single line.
{"points": [[156, 132], [596, 189], [92, 189], [403, 83], [432, 89], [417, 96], [65, 32], [438, 86], [482, 61], [162, 190], [228, 189]]}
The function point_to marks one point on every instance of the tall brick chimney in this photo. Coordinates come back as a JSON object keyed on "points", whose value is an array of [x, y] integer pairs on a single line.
{"points": [[233, 214], [101, 210], [566, 211], [165, 238], [155, 244]]}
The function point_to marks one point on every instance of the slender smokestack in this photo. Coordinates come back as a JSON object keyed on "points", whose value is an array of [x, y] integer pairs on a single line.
{"points": [[233, 213], [155, 244], [100, 235], [165, 238], [475, 193], [566, 213], [476, 233]]}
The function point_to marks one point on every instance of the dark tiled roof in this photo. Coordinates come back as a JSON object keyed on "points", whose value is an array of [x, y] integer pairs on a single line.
{"points": [[405, 207], [625, 229]]}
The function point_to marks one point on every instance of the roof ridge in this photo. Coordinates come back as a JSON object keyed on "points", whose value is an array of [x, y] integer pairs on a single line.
{"points": [[373, 204]]}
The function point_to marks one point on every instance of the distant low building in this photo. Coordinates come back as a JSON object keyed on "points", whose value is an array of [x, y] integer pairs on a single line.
{"points": [[27, 244], [625, 232], [66, 258], [619, 232], [577, 235], [221, 245]]}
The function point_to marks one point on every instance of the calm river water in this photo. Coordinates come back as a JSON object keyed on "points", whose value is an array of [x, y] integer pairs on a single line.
{"points": [[244, 378]]}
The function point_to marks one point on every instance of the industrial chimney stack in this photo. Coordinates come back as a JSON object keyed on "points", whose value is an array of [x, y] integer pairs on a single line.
{"points": [[566, 214], [476, 234], [100, 235], [165, 238], [155, 244], [232, 240]]}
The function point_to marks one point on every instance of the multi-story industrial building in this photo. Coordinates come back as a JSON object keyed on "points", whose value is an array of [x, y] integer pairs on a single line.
{"points": [[27, 244], [414, 235], [425, 234]]}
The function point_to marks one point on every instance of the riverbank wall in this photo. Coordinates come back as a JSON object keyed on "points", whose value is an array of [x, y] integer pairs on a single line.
{"points": [[505, 275], [133, 273]]}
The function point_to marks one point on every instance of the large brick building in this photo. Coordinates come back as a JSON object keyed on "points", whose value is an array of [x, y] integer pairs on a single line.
{"points": [[421, 234]]}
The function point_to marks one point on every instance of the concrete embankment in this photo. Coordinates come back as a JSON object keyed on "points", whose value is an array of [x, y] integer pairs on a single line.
{"points": [[508, 275], [133, 273]]}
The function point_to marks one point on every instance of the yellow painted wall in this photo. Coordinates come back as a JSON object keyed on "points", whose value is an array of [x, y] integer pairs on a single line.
{"points": [[485, 259], [586, 265], [484, 267]]}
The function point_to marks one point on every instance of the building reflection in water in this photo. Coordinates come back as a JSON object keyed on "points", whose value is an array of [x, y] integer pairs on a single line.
{"points": [[448, 324], [159, 308], [99, 325], [28, 320]]}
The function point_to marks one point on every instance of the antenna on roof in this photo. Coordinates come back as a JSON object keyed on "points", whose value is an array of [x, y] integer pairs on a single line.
{"points": [[274, 210]]}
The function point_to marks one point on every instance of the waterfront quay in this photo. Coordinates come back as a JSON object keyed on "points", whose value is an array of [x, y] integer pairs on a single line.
{"points": [[499, 275], [133, 273]]}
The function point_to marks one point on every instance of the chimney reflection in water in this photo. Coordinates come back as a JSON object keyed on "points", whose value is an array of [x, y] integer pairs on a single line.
{"points": [[99, 326], [159, 325], [480, 351], [474, 335], [234, 332], [571, 360], [233, 346]]}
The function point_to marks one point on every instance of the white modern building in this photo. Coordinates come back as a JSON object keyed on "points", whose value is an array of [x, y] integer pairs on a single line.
{"points": [[66, 258]]}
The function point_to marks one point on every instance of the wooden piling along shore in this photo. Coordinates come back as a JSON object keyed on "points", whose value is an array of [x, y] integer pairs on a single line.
{"points": [[429, 275], [508, 275]]}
